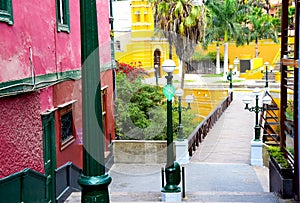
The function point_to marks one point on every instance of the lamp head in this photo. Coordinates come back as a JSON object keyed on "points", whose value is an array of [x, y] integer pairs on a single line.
{"points": [[267, 100], [179, 92], [256, 91], [230, 67], [247, 100], [266, 63], [168, 66], [189, 98]]}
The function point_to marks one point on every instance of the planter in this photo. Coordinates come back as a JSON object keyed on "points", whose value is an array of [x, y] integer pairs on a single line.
{"points": [[281, 180]]}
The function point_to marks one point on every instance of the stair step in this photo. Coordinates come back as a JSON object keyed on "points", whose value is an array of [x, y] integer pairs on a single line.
{"points": [[202, 196]]}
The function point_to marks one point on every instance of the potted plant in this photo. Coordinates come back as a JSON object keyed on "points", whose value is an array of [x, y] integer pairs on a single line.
{"points": [[281, 173]]}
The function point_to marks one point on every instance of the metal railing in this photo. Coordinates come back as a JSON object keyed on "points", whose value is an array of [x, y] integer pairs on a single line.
{"points": [[203, 128], [269, 121], [66, 178], [23, 186]]}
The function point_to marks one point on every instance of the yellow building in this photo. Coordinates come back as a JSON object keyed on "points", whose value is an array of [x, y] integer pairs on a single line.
{"points": [[142, 44]]}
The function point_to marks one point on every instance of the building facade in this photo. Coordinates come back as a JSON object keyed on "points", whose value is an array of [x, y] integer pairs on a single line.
{"points": [[40, 84]]}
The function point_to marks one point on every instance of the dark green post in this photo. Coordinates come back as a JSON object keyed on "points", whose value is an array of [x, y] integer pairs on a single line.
{"points": [[180, 127], [94, 181], [229, 77], [257, 127], [267, 82], [172, 168]]}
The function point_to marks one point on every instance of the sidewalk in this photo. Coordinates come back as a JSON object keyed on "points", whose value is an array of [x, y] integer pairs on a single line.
{"points": [[219, 170]]}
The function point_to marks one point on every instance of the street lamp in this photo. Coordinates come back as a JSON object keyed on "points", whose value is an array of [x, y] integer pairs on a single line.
{"points": [[188, 99], [266, 100], [229, 77], [156, 74], [172, 169], [266, 71]]}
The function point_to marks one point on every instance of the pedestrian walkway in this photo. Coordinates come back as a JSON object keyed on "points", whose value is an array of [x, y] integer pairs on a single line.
{"points": [[219, 170]]}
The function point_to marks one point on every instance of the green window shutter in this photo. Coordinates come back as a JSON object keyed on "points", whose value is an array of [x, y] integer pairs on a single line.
{"points": [[6, 12], [63, 16]]}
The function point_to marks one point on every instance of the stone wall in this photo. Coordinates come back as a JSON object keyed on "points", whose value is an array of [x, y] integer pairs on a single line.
{"points": [[140, 151]]}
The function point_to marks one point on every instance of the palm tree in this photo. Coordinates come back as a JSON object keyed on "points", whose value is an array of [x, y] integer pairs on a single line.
{"points": [[222, 23], [182, 23], [259, 25]]}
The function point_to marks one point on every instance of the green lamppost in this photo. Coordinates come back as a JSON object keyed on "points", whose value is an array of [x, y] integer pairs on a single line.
{"points": [[156, 75], [172, 169], [256, 109], [229, 77], [94, 181], [266, 71]]}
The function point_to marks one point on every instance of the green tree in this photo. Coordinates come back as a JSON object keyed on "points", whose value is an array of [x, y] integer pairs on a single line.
{"points": [[182, 23], [140, 111], [222, 25], [259, 25]]}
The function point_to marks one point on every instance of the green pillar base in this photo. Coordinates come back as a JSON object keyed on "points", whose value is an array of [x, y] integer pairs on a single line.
{"points": [[172, 178], [94, 188]]}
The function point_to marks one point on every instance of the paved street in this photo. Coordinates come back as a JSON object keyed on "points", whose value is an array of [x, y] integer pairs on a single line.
{"points": [[219, 171]]}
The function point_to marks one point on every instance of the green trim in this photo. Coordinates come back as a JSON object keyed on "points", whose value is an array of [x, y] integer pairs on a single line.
{"points": [[49, 149], [65, 26], [7, 14], [38, 82]]}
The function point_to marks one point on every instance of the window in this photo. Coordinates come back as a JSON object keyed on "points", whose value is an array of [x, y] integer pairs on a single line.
{"points": [[67, 128], [137, 16], [63, 16], [6, 12]]}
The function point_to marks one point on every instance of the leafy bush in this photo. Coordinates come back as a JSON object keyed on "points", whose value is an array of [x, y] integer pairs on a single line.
{"points": [[198, 56], [132, 70], [278, 155], [140, 111]]}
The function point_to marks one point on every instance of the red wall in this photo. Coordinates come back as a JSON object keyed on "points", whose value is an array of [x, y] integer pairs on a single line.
{"points": [[63, 93], [35, 28], [106, 78], [21, 143]]}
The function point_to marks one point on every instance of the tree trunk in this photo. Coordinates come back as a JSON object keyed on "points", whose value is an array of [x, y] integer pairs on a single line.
{"points": [[225, 60], [256, 50], [218, 69]]}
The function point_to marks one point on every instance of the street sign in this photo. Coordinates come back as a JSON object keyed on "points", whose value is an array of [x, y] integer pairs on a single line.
{"points": [[169, 91]]}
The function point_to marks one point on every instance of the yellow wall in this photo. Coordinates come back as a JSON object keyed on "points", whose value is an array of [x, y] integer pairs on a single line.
{"points": [[205, 100], [143, 43]]}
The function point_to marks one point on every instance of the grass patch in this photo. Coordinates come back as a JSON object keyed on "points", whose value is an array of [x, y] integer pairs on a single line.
{"points": [[234, 81], [212, 75], [177, 81]]}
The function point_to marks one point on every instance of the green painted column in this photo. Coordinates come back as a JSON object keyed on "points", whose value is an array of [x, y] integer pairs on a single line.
{"points": [[94, 181]]}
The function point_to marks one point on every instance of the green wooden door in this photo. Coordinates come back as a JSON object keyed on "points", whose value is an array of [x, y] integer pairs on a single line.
{"points": [[49, 154]]}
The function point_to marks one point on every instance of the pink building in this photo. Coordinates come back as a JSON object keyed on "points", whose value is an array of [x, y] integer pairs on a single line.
{"points": [[40, 84]]}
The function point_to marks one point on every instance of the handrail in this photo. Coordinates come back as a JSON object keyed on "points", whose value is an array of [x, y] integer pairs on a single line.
{"points": [[269, 114], [203, 128]]}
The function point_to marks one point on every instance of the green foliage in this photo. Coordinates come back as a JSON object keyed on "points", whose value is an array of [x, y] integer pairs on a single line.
{"points": [[198, 56], [278, 155], [141, 112], [289, 112]]}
